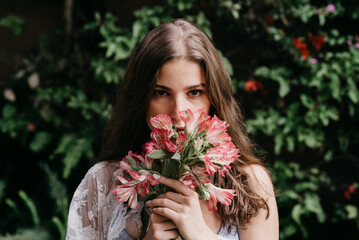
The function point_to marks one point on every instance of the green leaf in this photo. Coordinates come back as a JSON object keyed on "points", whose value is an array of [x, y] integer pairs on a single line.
{"points": [[41, 140], [335, 86], [278, 143], [353, 95], [262, 71], [134, 165], [312, 203], [321, 19], [136, 28], [283, 87], [74, 154], [63, 145], [352, 211], [31, 206], [160, 154], [290, 143], [307, 101], [176, 156], [14, 23], [297, 211], [61, 227]]}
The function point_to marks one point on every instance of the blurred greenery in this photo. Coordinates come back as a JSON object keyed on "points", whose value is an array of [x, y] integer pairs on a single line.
{"points": [[295, 68]]}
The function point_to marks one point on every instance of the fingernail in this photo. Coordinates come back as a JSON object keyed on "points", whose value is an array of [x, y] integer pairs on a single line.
{"points": [[148, 202]]}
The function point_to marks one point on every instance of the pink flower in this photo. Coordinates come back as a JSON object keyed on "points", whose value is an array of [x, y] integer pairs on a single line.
{"points": [[198, 142], [232, 154], [139, 185], [180, 141], [356, 45], [162, 121], [313, 61], [350, 42], [191, 120], [143, 187], [191, 181], [331, 8], [162, 138], [215, 131], [142, 160], [125, 165], [216, 194], [220, 155], [151, 146], [126, 192]]}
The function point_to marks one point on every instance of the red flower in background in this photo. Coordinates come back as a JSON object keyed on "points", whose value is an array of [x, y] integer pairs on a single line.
{"points": [[269, 19], [204, 3], [317, 41], [351, 189], [253, 86], [302, 47], [31, 127], [349, 192]]}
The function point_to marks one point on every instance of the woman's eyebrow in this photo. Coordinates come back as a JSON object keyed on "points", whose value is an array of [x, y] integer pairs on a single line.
{"points": [[162, 87], [202, 85]]}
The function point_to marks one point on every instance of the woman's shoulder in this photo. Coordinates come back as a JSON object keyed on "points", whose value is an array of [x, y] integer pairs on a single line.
{"points": [[102, 174], [265, 224], [260, 180], [103, 167]]}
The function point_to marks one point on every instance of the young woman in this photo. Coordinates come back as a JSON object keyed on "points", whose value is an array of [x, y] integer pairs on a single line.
{"points": [[175, 67]]}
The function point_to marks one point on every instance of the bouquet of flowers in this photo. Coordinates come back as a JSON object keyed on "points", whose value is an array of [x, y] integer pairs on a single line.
{"points": [[191, 156]]}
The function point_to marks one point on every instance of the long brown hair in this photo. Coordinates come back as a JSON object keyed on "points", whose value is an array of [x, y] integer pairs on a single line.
{"points": [[127, 128]]}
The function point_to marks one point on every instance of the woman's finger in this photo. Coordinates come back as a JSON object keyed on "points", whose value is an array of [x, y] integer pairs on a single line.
{"points": [[165, 203], [166, 212], [162, 223], [155, 218], [176, 185], [174, 196], [171, 234]]}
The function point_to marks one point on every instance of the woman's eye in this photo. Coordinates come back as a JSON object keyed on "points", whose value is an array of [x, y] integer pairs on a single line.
{"points": [[160, 93], [195, 92]]}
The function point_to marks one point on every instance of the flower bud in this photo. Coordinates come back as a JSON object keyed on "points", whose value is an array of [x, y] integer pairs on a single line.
{"points": [[198, 142]]}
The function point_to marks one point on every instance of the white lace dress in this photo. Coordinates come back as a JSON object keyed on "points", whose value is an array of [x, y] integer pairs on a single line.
{"points": [[94, 211]]}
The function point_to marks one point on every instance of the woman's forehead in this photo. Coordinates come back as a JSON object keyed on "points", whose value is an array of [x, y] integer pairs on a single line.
{"points": [[181, 71]]}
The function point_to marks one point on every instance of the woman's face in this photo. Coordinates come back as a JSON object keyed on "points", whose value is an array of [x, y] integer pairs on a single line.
{"points": [[180, 85]]}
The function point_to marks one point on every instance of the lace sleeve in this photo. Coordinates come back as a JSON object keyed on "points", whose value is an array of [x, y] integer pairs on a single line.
{"points": [[93, 203], [94, 212]]}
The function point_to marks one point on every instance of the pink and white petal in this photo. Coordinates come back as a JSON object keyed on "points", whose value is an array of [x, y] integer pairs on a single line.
{"points": [[122, 180], [134, 175], [162, 121], [169, 146], [132, 202], [125, 165], [224, 196], [212, 204]]}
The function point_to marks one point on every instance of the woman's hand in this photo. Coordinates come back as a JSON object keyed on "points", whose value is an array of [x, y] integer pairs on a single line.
{"points": [[160, 228], [183, 208]]}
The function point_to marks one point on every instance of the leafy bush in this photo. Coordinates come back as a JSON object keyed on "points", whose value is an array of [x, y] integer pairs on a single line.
{"points": [[295, 67]]}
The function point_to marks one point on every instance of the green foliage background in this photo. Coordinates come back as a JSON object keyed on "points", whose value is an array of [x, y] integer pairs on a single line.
{"points": [[304, 116]]}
